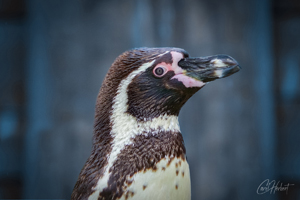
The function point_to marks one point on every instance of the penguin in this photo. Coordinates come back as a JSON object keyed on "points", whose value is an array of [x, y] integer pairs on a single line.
{"points": [[138, 150]]}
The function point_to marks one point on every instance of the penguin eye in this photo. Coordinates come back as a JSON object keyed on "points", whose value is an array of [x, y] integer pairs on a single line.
{"points": [[159, 71]]}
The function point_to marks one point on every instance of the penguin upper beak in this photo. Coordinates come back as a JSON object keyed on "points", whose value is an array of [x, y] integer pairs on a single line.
{"points": [[209, 68]]}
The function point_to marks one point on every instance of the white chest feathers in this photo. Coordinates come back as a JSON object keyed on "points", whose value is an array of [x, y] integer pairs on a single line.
{"points": [[170, 180]]}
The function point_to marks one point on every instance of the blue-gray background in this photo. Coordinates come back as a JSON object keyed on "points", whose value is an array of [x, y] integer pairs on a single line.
{"points": [[238, 131]]}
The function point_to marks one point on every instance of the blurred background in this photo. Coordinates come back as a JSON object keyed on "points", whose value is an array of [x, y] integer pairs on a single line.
{"points": [[238, 131]]}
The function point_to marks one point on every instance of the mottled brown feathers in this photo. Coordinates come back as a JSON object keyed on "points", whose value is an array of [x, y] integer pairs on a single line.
{"points": [[142, 155]]}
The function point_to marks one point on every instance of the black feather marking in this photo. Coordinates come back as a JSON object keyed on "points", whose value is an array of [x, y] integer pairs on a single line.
{"points": [[150, 97]]}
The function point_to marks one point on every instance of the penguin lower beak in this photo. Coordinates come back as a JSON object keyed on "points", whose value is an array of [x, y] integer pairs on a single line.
{"points": [[209, 68]]}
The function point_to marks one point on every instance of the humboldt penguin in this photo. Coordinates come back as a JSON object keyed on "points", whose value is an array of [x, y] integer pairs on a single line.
{"points": [[138, 150]]}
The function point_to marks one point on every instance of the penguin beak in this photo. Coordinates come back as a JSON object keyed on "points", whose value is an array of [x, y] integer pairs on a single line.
{"points": [[209, 68]]}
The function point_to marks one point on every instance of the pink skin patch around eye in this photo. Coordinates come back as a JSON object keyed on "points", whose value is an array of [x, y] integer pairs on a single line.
{"points": [[179, 72], [188, 81]]}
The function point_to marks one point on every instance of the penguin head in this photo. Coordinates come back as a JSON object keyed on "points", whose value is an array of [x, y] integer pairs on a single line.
{"points": [[150, 82]]}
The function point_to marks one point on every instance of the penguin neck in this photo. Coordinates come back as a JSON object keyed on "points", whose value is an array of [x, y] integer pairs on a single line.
{"points": [[124, 129]]}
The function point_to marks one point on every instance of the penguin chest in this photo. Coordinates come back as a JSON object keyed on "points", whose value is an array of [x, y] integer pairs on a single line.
{"points": [[169, 180]]}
